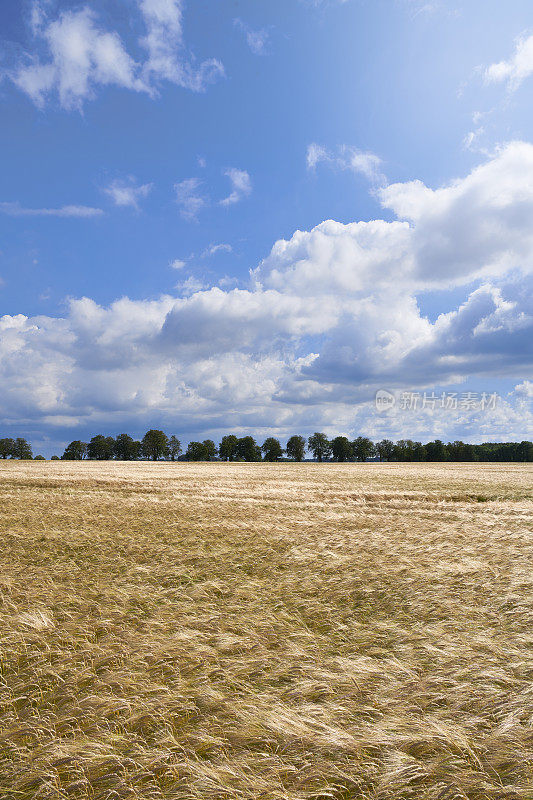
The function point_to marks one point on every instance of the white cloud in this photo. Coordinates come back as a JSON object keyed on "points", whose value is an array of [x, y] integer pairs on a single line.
{"points": [[189, 198], [77, 55], [213, 249], [257, 40], [347, 157], [516, 69], [524, 390], [470, 141], [190, 286], [330, 316], [417, 7], [177, 263], [315, 154], [164, 42], [16, 210], [474, 227], [126, 193], [84, 56], [241, 186]]}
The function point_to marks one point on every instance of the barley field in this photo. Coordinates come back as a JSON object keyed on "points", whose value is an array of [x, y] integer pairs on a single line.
{"points": [[266, 632]]}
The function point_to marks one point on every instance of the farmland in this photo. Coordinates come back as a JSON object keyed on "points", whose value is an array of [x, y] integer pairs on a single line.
{"points": [[266, 631]]}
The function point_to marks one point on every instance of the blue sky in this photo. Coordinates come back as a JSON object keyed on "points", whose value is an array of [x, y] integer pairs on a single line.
{"points": [[169, 171]]}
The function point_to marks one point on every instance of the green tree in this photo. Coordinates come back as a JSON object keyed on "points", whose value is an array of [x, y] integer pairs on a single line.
{"points": [[125, 448], [525, 451], [320, 446], [272, 449], [7, 447], [436, 451], [174, 448], [419, 451], [101, 448], [341, 449], [363, 448], [227, 449], [201, 451], [210, 449], [39, 458], [248, 449], [75, 451], [55, 458], [296, 448], [459, 451], [155, 445], [22, 449], [385, 449]]}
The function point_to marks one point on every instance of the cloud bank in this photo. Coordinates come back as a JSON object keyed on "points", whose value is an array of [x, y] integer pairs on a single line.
{"points": [[329, 317]]}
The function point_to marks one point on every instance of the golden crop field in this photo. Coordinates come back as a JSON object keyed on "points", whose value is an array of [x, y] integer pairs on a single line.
{"points": [[263, 631]]}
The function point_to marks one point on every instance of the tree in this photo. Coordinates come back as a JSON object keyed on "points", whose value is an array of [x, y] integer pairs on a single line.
{"points": [[22, 449], [174, 448], [525, 451], [101, 448], [341, 449], [125, 448], [385, 449], [227, 449], [210, 449], [320, 446], [459, 451], [248, 449], [155, 444], [201, 451], [296, 448], [75, 451], [55, 458], [39, 458], [363, 448], [272, 449], [419, 451], [7, 447], [436, 451]]}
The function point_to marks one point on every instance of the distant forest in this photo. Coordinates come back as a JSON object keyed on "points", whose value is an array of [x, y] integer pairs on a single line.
{"points": [[156, 446]]}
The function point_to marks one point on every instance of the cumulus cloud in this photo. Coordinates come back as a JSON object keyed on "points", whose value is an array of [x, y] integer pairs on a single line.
{"points": [[347, 157], [189, 198], [329, 317], [75, 55], [516, 69], [523, 390], [16, 210], [126, 193], [257, 40], [241, 186], [476, 226]]}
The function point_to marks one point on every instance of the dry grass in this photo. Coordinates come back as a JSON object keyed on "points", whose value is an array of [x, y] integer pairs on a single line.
{"points": [[266, 632]]}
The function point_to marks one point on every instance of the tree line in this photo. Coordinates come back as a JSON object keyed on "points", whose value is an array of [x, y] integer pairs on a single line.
{"points": [[156, 445]]}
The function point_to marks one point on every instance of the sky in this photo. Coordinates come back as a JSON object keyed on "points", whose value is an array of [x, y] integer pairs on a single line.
{"points": [[252, 217]]}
